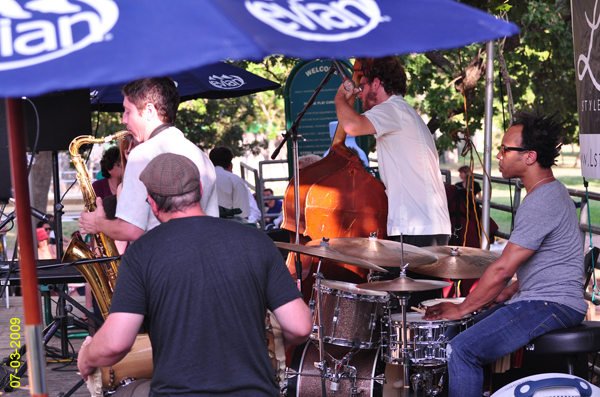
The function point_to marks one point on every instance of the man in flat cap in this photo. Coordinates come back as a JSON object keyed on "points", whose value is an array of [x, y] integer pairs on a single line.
{"points": [[203, 286]]}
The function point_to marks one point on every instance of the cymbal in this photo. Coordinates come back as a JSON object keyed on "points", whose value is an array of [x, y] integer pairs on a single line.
{"points": [[330, 254], [404, 284], [380, 252], [457, 262]]}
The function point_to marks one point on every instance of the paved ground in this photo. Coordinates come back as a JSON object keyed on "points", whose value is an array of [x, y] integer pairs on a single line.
{"points": [[61, 376]]}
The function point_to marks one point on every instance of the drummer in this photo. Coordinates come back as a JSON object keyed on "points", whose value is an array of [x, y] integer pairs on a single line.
{"points": [[545, 251]]}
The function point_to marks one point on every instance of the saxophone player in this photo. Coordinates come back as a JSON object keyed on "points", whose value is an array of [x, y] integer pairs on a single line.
{"points": [[150, 110]]}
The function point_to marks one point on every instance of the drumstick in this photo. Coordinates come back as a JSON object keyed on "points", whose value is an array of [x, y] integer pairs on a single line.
{"points": [[418, 310]]}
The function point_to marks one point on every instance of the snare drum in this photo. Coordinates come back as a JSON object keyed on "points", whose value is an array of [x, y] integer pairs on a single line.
{"points": [[349, 313], [426, 340]]}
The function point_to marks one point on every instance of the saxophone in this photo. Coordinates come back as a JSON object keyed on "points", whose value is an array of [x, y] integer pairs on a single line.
{"points": [[100, 276]]}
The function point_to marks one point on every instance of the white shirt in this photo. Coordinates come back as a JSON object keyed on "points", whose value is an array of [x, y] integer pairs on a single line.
{"points": [[232, 191], [132, 206], [254, 211], [409, 168]]}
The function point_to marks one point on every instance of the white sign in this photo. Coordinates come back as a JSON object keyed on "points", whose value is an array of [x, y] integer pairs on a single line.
{"points": [[37, 31]]}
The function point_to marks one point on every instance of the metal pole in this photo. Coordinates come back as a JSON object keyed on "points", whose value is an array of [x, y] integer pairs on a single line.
{"points": [[487, 151], [27, 263]]}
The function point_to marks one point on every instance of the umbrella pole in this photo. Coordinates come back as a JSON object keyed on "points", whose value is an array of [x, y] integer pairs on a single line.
{"points": [[487, 151], [27, 262]]}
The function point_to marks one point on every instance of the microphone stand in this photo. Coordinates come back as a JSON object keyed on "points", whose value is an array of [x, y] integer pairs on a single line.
{"points": [[292, 133]]}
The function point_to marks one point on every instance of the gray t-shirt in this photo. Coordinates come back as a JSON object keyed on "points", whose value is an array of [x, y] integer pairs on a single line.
{"points": [[546, 222]]}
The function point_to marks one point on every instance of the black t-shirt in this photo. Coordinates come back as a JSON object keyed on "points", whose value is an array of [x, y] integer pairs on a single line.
{"points": [[476, 187], [204, 285]]}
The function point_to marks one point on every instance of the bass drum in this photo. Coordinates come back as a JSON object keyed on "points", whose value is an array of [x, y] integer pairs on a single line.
{"points": [[305, 378]]}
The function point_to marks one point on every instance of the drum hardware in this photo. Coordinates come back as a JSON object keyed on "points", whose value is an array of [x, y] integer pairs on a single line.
{"points": [[349, 372], [426, 377], [401, 288]]}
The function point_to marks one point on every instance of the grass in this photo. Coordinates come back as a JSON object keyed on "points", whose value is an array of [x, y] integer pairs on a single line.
{"points": [[564, 171]]}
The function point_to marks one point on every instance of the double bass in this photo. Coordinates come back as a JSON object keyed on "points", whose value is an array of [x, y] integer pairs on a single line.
{"points": [[338, 198]]}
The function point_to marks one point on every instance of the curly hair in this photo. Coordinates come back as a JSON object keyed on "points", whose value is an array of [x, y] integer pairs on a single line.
{"points": [[541, 134], [110, 157], [390, 72], [160, 91]]}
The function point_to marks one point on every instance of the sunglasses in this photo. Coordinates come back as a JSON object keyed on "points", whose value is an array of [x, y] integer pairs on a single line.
{"points": [[503, 149]]}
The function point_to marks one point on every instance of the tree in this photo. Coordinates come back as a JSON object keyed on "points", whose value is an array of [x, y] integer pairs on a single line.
{"points": [[448, 86]]}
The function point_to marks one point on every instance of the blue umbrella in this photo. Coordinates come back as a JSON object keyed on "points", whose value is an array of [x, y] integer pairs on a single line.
{"points": [[216, 81], [49, 45]]}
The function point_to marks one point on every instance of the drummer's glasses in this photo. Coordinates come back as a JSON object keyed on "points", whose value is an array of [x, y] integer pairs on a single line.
{"points": [[503, 149], [360, 86]]}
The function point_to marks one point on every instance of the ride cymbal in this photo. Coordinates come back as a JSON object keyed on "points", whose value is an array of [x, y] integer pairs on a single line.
{"points": [[404, 284], [330, 254], [457, 262], [378, 251]]}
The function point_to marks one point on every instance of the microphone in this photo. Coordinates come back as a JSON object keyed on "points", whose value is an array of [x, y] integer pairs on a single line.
{"points": [[37, 213], [347, 81], [40, 215]]}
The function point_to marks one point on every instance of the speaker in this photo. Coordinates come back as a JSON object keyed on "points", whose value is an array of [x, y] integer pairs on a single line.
{"points": [[63, 115]]}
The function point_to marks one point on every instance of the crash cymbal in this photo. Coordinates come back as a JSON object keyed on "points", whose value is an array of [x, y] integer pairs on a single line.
{"points": [[380, 252], [457, 262], [330, 254], [404, 284]]}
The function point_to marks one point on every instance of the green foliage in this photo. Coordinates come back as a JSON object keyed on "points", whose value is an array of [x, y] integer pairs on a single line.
{"points": [[210, 123], [541, 66]]}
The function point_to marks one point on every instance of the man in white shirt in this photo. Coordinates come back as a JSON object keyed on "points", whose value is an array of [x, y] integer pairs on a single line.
{"points": [[408, 159], [150, 110], [231, 189]]}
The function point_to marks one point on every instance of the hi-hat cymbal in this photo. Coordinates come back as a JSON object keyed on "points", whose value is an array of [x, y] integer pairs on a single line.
{"points": [[330, 254], [457, 262], [404, 284], [380, 252]]}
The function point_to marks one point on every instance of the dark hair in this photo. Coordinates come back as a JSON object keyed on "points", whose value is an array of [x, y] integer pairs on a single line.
{"points": [[110, 157], [221, 156], [269, 190], [542, 135], [177, 203], [41, 224], [159, 91], [465, 168], [389, 71]]}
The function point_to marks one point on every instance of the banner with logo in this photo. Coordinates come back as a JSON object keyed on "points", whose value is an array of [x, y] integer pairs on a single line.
{"points": [[220, 80], [586, 47], [50, 45]]}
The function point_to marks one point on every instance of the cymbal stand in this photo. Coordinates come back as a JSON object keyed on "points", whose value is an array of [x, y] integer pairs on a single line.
{"points": [[322, 364]]}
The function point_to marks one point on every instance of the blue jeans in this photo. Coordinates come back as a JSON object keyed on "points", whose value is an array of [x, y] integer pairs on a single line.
{"points": [[503, 331]]}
